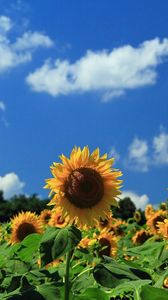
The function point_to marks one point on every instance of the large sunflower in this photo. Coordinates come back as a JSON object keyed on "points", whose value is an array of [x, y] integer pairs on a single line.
{"points": [[84, 185], [24, 224]]}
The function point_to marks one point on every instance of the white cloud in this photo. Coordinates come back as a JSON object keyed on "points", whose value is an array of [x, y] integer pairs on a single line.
{"points": [[160, 145], [31, 40], [2, 106], [5, 24], [112, 72], [143, 154], [140, 201], [114, 153], [20, 51], [11, 185], [138, 158]]}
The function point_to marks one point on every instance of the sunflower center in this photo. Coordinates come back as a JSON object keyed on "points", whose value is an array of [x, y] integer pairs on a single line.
{"points": [[84, 187], [24, 230], [105, 247], [47, 217], [158, 219], [60, 220]]}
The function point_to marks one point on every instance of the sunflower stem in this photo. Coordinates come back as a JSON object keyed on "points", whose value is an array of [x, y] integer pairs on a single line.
{"points": [[66, 294]]}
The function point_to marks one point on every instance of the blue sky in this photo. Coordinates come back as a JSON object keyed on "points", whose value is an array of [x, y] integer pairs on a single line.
{"points": [[84, 73]]}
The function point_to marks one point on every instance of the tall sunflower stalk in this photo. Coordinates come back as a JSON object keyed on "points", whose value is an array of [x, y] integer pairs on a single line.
{"points": [[84, 187]]}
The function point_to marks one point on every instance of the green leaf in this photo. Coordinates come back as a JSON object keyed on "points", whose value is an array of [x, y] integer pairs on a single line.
{"points": [[46, 245], [134, 287], [49, 291], [161, 277], [112, 273], [82, 282], [56, 242], [149, 292], [148, 248], [29, 247], [16, 266], [93, 294], [14, 283]]}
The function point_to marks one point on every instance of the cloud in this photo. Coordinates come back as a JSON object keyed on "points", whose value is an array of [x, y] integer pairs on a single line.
{"points": [[112, 72], [31, 40], [138, 158], [11, 185], [143, 154], [139, 201], [160, 145], [15, 53], [5, 24], [2, 106]]}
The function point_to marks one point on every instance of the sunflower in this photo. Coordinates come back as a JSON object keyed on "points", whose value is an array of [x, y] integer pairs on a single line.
{"points": [[57, 219], [137, 216], [24, 224], [87, 242], [156, 217], [140, 237], [163, 228], [105, 223], [108, 244], [165, 283], [163, 206], [84, 185], [118, 227], [45, 216], [149, 211]]}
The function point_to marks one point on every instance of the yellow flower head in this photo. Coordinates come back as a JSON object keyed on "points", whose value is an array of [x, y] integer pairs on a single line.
{"points": [[158, 216], [140, 237], [165, 283], [108, 244], [137, 216], [163, 228], [105, 223], [57, 219], [149, 211], [117, 227], [87, 242], [24, 224], [84, 185], [45, 216]]}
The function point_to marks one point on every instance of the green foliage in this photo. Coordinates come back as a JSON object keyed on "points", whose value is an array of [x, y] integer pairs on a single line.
{"points": [[125, 210], [56, 242], [27, 269], [18, 203], [111, 273]]}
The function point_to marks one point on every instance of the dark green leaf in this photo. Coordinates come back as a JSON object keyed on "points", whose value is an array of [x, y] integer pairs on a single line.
{"points": [[92, 294], [56, 242], [149, 292], [81, 283], [49, 291], [112, 273]]}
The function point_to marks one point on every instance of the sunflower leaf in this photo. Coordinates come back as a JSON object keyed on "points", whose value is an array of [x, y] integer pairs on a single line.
{"points": [[56, 242], [29, 247], [66, 240], [111, 273]]}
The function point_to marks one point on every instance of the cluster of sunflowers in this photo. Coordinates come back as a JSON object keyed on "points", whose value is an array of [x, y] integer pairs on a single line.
{"points": [[84, 188]]}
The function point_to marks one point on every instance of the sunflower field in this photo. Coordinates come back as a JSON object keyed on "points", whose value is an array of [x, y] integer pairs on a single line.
{"points": [[77, 248]]}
